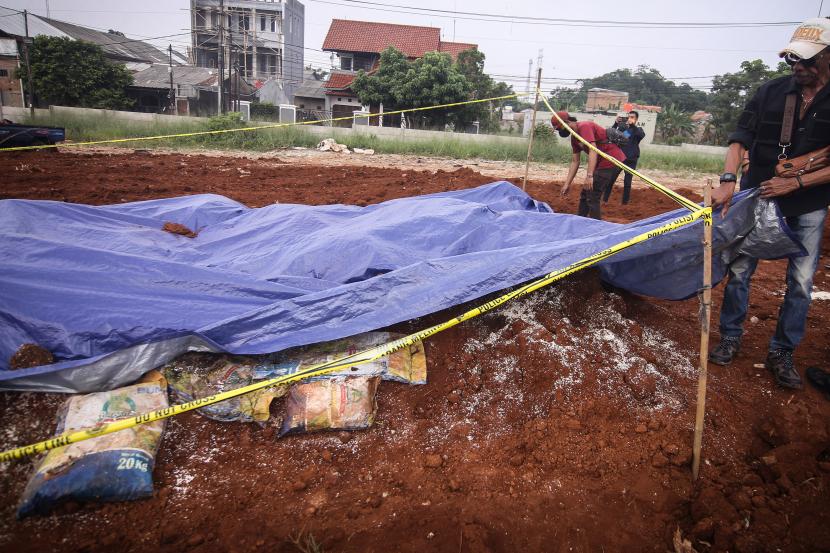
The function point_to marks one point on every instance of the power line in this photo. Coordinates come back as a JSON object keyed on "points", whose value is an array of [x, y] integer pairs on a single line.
{"points": [[602, 45], [548, 21]]}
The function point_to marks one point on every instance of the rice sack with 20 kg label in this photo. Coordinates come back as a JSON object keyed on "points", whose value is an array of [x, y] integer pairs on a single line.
{"points": [[112, 467]]}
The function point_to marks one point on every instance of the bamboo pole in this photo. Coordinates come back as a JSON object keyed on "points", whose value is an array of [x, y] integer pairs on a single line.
{"points": [[705, 314], [532, 128]]}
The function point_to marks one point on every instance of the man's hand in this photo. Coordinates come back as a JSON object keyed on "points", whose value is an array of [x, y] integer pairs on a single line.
{"points": [[588, 183], [778, 186], [565, 189], [722, 196]]}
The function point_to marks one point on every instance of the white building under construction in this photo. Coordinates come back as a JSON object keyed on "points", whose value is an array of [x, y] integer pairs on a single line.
{"points": [[262, 39]]}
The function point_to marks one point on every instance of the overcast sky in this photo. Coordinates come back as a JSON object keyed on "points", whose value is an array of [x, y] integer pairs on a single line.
{"points": [[690, 55]]}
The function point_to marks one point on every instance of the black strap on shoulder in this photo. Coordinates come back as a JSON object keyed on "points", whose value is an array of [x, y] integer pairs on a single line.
{"points": [[787, 124]]}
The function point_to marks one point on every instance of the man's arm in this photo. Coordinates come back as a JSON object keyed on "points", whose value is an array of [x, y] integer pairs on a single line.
{"points": [[572, 169], [739, 141], [722, 195], [778, 186], [637, 133]]}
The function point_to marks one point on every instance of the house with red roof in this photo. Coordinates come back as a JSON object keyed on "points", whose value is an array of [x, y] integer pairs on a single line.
{"points": [[358, 44]]}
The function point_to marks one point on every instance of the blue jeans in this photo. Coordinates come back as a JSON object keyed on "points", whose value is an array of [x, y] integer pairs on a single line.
{"points": [[792, 316]]}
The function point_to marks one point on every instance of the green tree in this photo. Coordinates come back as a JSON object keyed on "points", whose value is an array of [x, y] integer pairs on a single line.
{"points": [[644, 85], [431, 80], [568, 99], [731, 92], [380, 86], [427, 81], [674, 125], [67, 72], [470, 63]]}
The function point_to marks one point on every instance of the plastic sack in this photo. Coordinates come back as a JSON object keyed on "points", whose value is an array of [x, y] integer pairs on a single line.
{"points": [[341, 403], [112, 467], [408, 365], [197, 375]]}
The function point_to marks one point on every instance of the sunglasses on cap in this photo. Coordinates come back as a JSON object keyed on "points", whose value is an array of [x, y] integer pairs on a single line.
{"points": [[792, 59]]}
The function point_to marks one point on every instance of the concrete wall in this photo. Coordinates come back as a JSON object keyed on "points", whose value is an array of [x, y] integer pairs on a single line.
{"points": [[704, 149], [18, 114], [293, 28]]}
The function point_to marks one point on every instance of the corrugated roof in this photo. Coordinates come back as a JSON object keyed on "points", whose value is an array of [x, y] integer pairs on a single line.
{"points": [[312, 87], [8, 47], [158, 77], [11, 23], [365, 36], [115, 45]]}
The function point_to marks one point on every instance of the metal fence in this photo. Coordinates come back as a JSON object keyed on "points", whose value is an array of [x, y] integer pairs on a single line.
{"points": [[313, 115]]}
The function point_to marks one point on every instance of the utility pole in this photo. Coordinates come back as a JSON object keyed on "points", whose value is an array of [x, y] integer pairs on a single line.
{"points": [[221, 57], [529, 73], [26, 42], [170, 71], [532, 126]]}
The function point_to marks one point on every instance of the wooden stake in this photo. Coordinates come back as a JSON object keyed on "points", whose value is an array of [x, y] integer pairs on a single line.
{"points": [[532, 128], [705, 314]]}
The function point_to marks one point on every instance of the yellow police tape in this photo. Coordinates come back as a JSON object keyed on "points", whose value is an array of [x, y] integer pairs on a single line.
{"points": [[685, 202], [357, 358], [259, 127]]}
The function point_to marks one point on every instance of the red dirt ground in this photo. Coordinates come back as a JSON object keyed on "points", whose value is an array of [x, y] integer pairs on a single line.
{"points": [[563, 421]]}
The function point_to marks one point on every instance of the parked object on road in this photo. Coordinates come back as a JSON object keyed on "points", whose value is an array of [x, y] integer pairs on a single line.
{"points": [[13, 135]]}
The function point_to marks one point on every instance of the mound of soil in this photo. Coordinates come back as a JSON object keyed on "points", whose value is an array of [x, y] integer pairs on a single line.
{"points": [[561, 422], [30, 355], [181, 230]]}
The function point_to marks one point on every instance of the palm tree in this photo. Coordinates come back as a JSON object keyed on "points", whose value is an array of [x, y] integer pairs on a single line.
{"points": [[673, 125]]}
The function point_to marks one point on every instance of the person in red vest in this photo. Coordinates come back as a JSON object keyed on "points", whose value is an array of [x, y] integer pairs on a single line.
{"points": [[601, 172]]}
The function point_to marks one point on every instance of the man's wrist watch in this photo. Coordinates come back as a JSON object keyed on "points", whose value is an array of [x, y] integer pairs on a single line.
{"points": [[729, 177]]}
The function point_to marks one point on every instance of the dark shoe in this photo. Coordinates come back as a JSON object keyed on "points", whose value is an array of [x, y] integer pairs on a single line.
{"points": [[780, 362], [820, 379], [726, 351]]}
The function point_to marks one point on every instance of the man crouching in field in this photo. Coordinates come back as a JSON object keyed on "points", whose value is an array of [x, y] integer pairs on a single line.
{"points": [[601, 172]]}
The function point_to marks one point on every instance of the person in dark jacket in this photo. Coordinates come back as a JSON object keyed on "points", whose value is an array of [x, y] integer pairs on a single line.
{"points": [[635, 135], [802, 200]]}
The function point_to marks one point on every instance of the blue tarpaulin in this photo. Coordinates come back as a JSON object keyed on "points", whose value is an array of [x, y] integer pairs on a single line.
{"points": [[111, 295]]}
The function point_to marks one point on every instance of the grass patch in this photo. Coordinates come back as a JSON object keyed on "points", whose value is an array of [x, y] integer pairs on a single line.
{"points": [[106, 127]]}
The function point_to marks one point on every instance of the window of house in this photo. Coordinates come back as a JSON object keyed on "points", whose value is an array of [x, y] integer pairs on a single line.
{"points": [[246, 22], [262, 23], [302, 106], [346, 63], [340, 99], [319, 107], [273, 24], [4, 72]]}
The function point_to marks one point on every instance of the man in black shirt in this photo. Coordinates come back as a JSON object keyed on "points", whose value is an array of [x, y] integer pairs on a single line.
{"points": [[802, 200], [631, 149]]}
